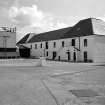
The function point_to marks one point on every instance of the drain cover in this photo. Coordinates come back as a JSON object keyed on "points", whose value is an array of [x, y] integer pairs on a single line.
{"points": [[84, 93]]}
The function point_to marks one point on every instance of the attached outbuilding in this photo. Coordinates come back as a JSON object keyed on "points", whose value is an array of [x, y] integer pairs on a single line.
{"points": [[24, 51]]}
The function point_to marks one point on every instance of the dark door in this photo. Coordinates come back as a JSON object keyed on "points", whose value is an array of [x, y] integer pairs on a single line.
{"points": [[25, 53], [74, 56], [69, 57], [54, 55], [85, 56], [59, 58]]}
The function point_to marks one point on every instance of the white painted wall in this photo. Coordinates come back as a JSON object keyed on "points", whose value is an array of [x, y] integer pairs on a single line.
{"points": [[89, 48], [79, 54], [98, 26], [94, 48], [99, 49]]}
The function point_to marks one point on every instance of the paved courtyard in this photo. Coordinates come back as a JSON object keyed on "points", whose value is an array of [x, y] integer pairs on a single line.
{"points": [[55, 83]]}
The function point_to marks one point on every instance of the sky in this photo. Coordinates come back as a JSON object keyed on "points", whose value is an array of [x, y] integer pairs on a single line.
{"points": [[37, 16]]}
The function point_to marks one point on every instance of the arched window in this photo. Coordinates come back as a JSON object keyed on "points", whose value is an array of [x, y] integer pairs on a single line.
{"points": [[73, 42], [46, 45], [85, 42]]}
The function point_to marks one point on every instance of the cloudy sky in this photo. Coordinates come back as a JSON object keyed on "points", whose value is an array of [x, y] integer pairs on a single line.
{"points": [[44, 15]]}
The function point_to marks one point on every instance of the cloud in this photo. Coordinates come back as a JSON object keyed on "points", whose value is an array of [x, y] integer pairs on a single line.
{"points": [[31, 19]]}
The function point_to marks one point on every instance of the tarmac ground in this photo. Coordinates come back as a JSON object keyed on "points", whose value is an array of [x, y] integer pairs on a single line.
{"points": [[55, 83]]}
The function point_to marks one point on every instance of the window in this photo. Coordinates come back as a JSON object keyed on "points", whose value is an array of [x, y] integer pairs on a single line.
{"points": [[63, 43], [47, 53], [35, 46], [85, 42], [31, 46], [41, 45], [46, 45], [73, 42], [54, 44]]}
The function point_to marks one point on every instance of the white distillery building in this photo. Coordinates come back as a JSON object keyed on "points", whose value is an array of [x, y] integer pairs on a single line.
{"points": [[7, 42], [84, 42]]}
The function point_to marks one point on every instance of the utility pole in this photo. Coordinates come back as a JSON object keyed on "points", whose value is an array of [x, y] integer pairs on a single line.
{"points": [[5, 44]]}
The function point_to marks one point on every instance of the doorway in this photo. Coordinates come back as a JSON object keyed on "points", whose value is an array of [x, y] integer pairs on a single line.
{"points": [[69, 56], [54, 54], [74, 56], [85, 56]]}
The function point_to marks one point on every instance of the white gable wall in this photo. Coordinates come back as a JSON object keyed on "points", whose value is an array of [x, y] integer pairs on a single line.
{"points": [[99, 49], [98, 27]]}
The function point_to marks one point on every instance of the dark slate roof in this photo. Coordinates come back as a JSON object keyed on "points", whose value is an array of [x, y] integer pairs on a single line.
{"points": [[82, 28], [52, 35], [24, 39]]}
